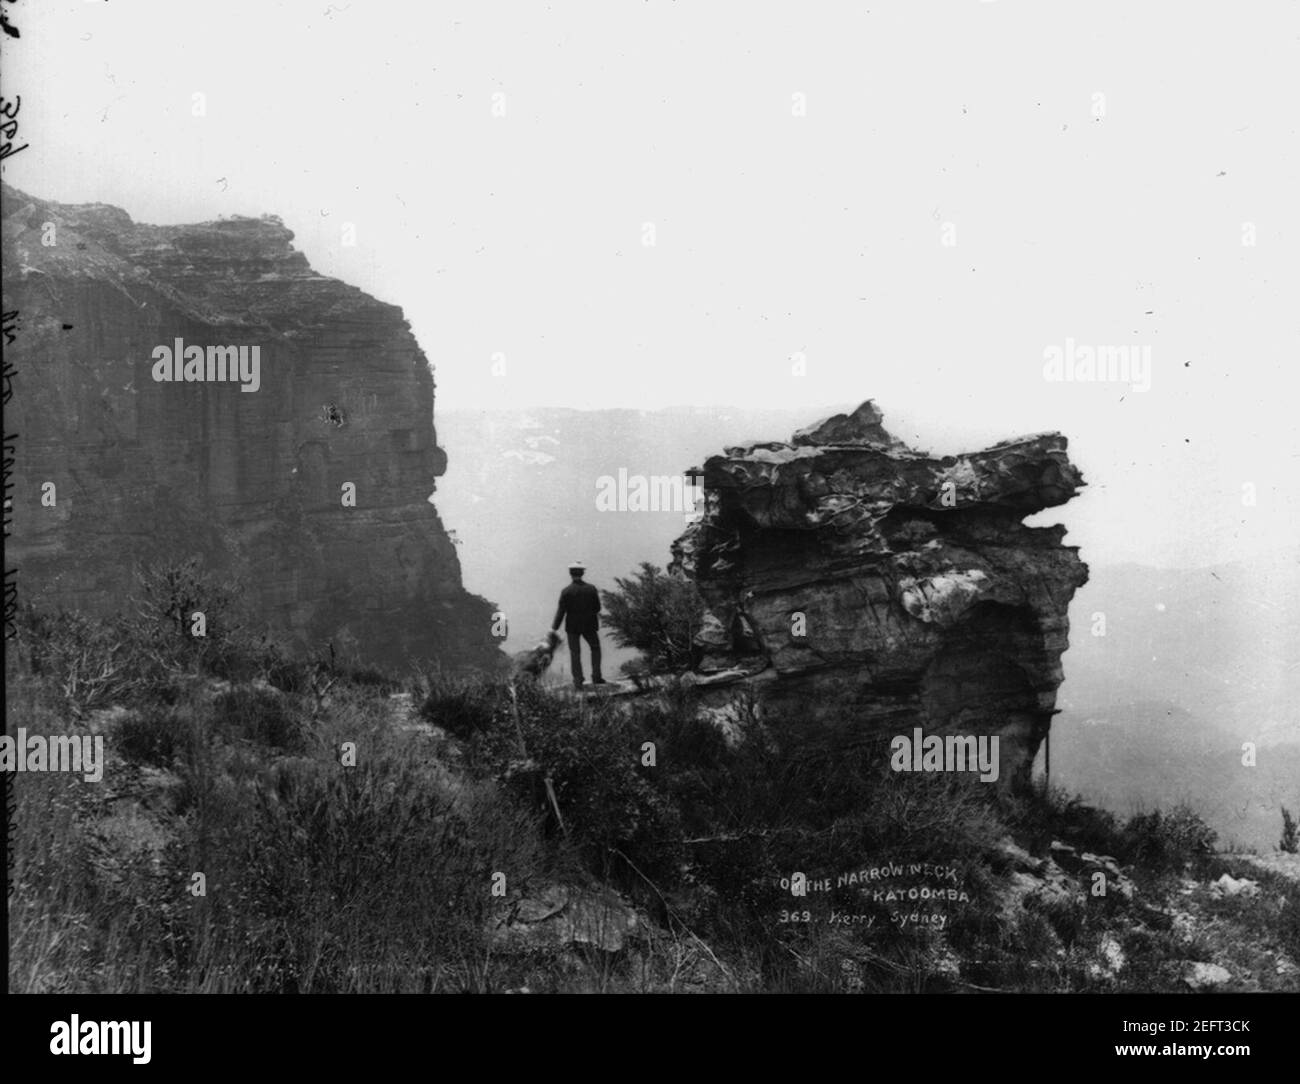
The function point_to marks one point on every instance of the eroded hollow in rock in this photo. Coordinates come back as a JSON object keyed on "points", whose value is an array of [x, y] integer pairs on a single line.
{"points": [[980, 681]]}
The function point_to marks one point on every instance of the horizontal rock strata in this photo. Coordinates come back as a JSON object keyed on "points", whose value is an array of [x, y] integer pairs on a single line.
{"points": [[254, 481], [872, 589]]}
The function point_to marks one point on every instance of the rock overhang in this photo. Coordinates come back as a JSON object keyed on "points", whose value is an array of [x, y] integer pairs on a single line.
{"points": [[845, 560]]}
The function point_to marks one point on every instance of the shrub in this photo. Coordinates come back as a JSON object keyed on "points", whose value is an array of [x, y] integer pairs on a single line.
{"points": [[87, 663], [1288, 925], [1290, 841], [364, 877], [592, 757], [1161, 841], [465, 708], [284, 673], [658, 613], [170, 593], [373, 876], [154, 735], [1041, 816], [319, 877], [148, 655], [259, 715], [373, 678]]}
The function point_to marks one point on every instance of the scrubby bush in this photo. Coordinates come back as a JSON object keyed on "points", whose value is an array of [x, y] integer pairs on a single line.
{"points": [[1290, 841], [318, 877], [465, 708], [154, 735], [1289, 923], [656, 612], [149, 653], [1043, 816], [374, 876], [170, 594], [87, 664], [592, 759], [1162, 841], [260, 715]]}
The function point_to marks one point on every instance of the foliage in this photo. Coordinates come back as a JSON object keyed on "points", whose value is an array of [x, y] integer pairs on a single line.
{"points": [[463, 707], [658, 613], [1167, 840], [1290, 841], [149, 653], [318, 877], [324, 876]]}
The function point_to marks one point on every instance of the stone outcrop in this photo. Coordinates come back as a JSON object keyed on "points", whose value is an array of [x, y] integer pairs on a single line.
{"points": [[253, 481], [869, 588], [558, 917]]}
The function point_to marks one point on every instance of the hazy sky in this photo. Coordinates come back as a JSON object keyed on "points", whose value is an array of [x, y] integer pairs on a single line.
{"points": [[801, 166]]}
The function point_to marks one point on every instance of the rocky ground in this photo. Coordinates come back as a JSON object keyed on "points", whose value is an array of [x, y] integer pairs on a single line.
{"points": [[1214, 932], [1077, 920]]}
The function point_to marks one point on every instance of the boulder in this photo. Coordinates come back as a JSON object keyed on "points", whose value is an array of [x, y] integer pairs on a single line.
{"points": [[561, 916], [884, 589], [1203, 976], [1227, 885]]}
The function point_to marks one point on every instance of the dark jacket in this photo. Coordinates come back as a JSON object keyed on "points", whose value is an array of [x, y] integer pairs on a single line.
{"points": [[579, 605]]}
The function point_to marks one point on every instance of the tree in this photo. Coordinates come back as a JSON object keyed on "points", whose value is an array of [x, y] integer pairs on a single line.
{"points": [[1290, 841], [656, 612], [170, 593]]}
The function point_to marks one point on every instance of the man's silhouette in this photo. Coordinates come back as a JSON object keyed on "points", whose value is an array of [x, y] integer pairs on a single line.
{"points": [[578, 609]]}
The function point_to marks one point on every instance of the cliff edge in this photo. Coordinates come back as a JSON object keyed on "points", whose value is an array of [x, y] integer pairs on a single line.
{"points": [[199, 389]]}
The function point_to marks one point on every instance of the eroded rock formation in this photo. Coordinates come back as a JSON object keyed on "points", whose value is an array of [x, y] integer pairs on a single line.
{"points": [[864, 585], [254, 481]]}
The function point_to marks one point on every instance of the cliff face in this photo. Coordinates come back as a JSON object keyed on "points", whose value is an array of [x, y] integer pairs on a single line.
{"points": [[862, 584], [256, 481]]}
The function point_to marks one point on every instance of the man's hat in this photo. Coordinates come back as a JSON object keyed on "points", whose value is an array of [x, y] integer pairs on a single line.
{"points": [[577, 566]]}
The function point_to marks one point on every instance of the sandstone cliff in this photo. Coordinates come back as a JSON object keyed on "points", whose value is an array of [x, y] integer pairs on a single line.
{"points": [[862, 584], [252, 481]]}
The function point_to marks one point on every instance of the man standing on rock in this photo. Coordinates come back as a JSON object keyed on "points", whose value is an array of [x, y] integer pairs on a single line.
{"points": [[579, 607]]}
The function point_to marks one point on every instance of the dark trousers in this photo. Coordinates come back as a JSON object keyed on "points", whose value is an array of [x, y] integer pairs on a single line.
{"points": [[575, 654]]}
